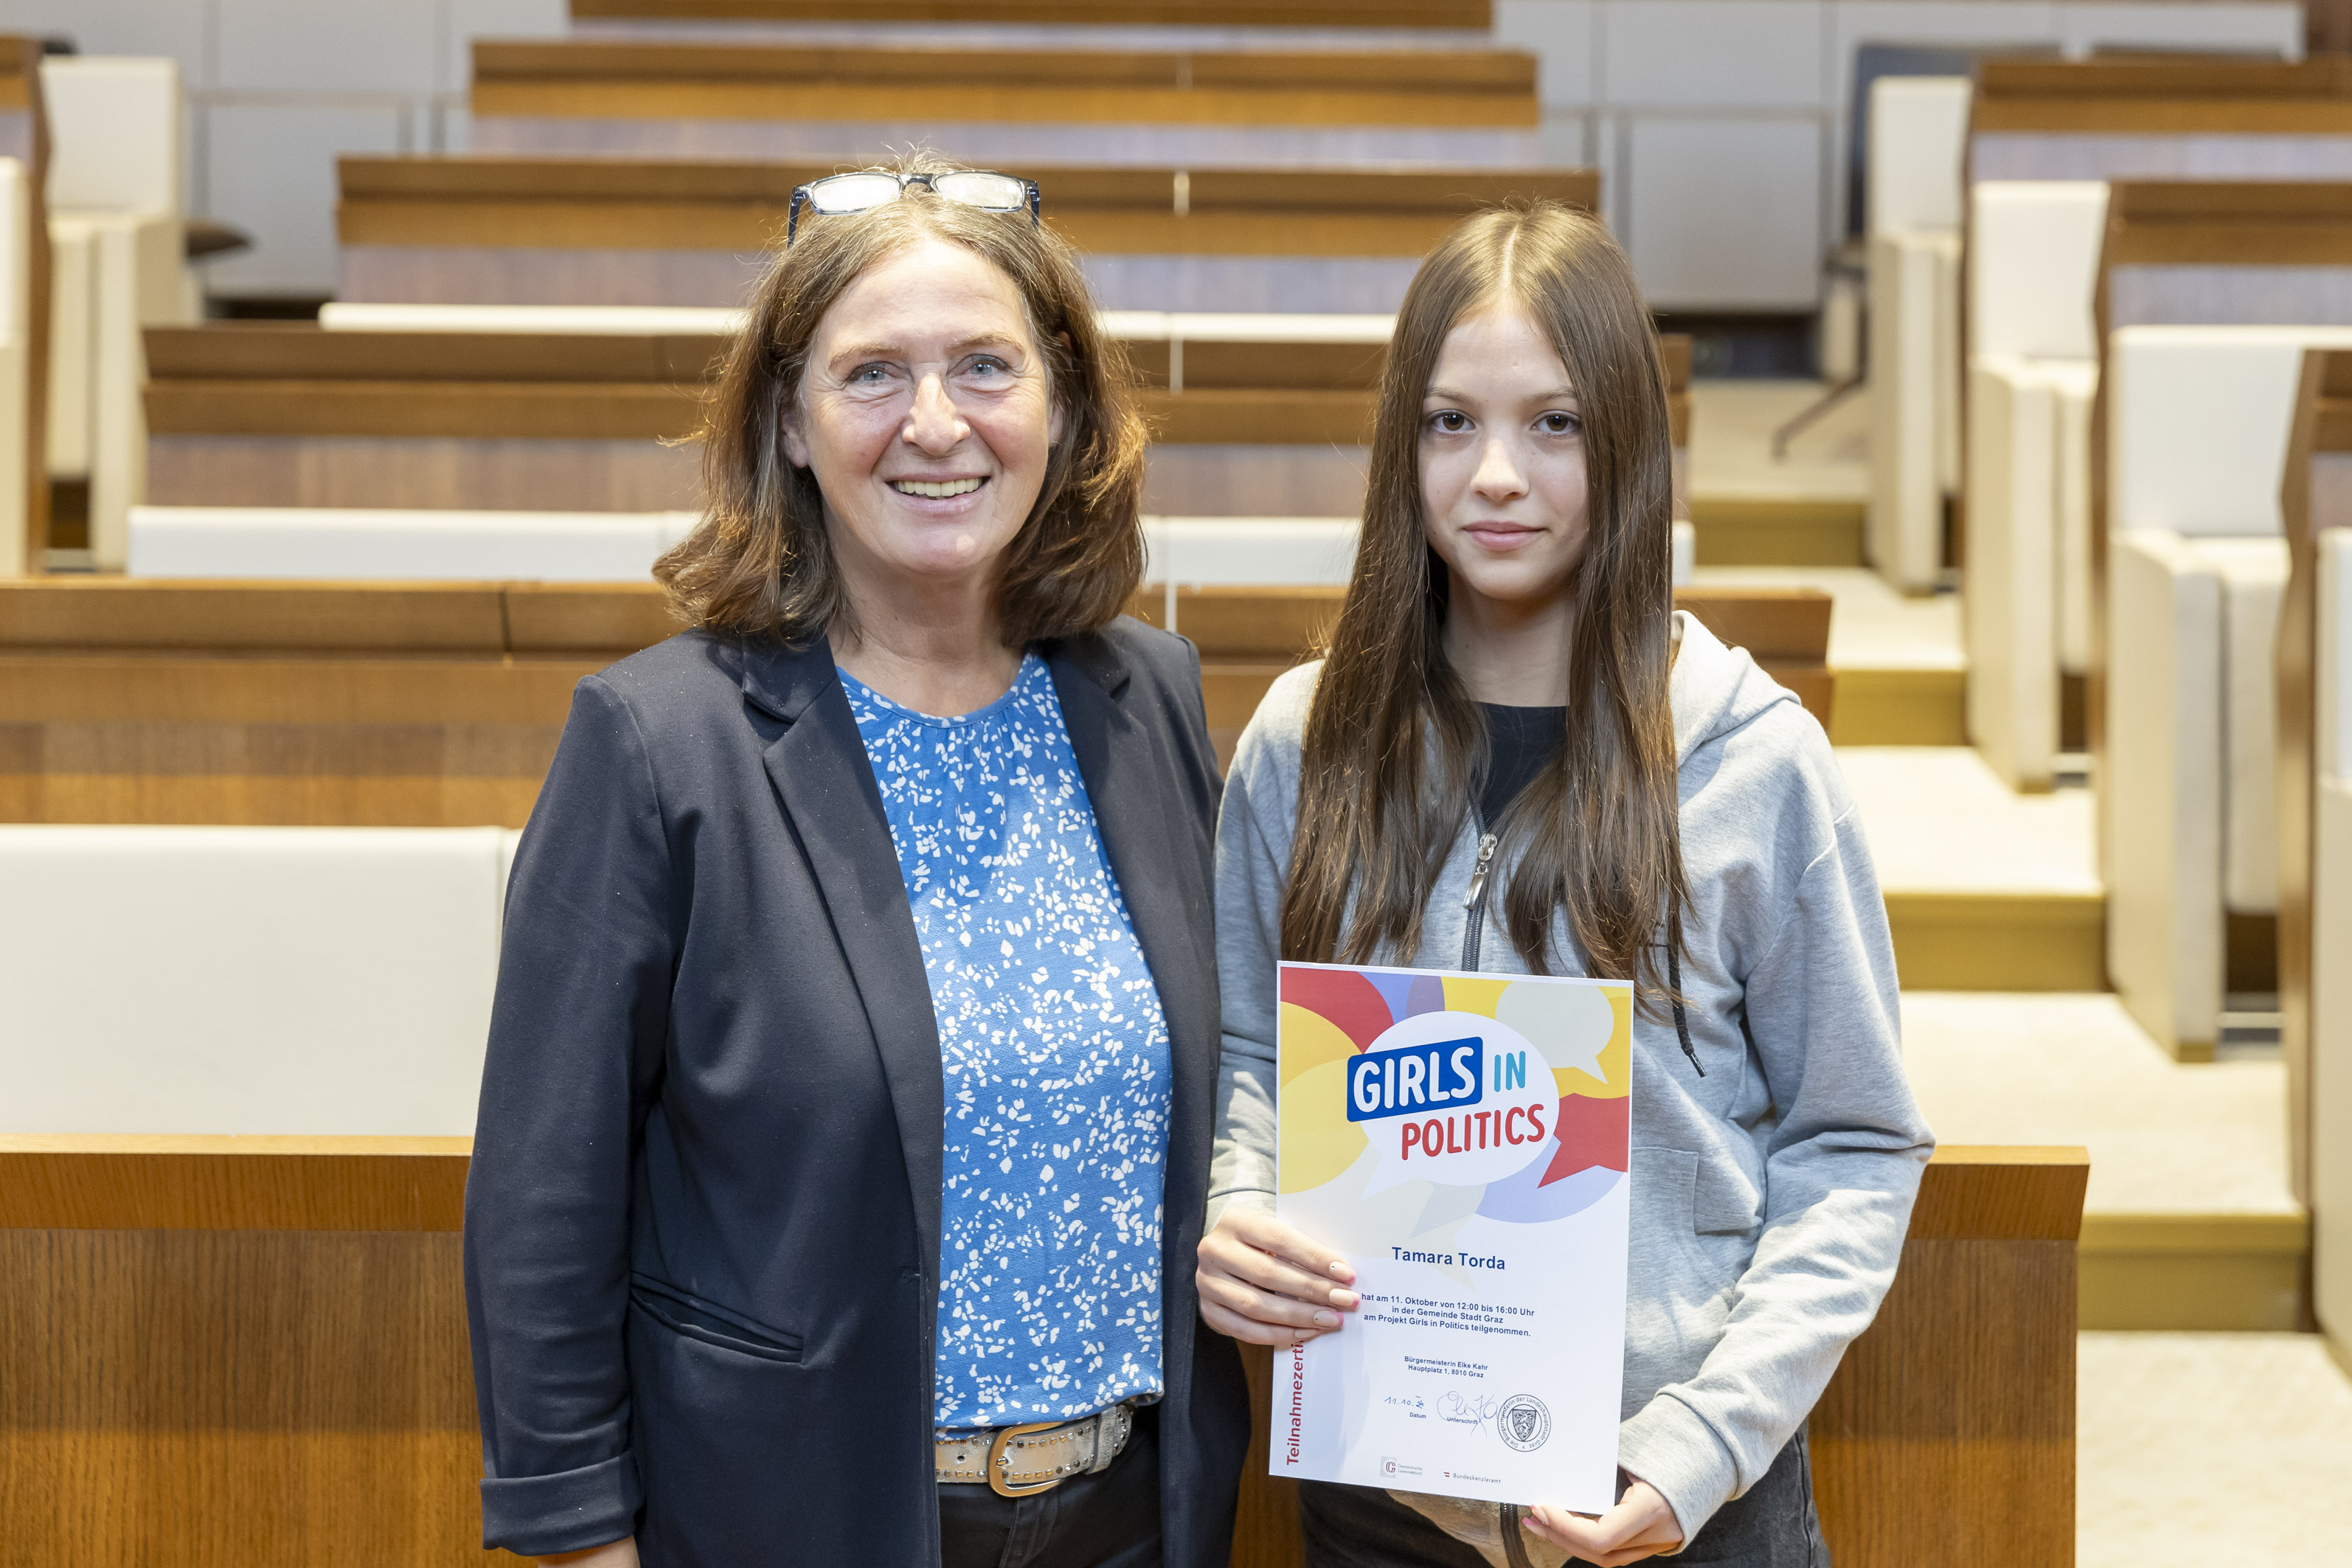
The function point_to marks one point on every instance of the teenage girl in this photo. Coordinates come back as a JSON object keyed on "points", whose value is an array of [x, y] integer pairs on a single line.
{"points": [[1517, 756]]}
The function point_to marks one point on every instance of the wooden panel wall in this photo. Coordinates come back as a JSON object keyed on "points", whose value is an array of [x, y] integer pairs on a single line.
{"points": [[251, 1353]]}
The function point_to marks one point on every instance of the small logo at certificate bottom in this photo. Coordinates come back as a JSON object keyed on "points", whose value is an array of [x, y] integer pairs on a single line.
{"points": [[1392, 1468], [1523, 1422]]}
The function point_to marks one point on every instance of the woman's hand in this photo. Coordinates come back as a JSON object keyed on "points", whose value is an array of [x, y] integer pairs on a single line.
{"points": [[1640, 1526], [1264, 1283], [621, 1554]]}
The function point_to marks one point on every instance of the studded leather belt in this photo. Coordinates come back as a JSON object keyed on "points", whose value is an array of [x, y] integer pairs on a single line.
{"points": [[1017, 1461]]}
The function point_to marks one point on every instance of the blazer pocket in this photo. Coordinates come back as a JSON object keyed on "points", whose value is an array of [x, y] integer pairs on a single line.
{"points": [[1724, 1201], [693, 1318]]}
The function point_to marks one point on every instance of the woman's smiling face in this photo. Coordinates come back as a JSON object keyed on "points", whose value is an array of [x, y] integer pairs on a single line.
{"points": [[1503, 500], [925, 416]]}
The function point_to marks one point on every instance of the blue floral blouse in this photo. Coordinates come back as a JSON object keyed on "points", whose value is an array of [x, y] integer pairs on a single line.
{"points": [[1055, 1054]]}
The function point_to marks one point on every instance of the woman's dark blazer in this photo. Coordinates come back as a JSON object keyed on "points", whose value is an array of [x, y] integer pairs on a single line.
{"points": [[702, 1229]]}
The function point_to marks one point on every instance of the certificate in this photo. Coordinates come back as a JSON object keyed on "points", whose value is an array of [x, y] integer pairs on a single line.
{"points": [[1461, 1139]]}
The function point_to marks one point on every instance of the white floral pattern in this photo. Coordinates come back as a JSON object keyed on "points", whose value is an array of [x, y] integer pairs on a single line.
{"points": [[1053, 1052]]}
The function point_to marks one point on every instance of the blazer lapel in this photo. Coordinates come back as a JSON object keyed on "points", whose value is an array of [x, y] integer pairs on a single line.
{"points": [[821, 776], [1128, 786], [1130, 782]]}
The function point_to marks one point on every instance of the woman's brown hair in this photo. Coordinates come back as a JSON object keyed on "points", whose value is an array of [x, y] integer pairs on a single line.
{"points": [[1394, 749], [758, 565]]}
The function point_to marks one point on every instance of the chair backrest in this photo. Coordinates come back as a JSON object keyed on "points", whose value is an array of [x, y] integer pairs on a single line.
{"points": [[115, 125], [1917, 135], [276, 980], [2032, 266], [2198, 424], [21, 461], [313, 544]]}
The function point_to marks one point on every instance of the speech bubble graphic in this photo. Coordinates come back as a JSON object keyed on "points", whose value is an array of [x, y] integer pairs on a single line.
{"points": [[1457, 1098], [1570, 1026]]}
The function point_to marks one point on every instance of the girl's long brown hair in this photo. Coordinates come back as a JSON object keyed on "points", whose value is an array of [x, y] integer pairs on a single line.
{"points": [[1394, 749]]}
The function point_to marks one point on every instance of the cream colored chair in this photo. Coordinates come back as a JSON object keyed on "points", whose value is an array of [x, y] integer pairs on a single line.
{"points": [[2198, 420], [2032, 374], [355, 545], [2330, 1072], [18, 461], [1918, 126], [118, 264], [246, 980]]}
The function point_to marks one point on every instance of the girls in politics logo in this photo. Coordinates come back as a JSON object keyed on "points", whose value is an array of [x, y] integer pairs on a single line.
{"points": [[1515, 1086]]}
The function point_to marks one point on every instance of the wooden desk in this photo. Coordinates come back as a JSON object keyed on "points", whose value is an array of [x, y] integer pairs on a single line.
{"points": [[440, 704], [2164, 95], [646, 79], [1474, 15], [288, 703], [614, 230], [253, 1351]]}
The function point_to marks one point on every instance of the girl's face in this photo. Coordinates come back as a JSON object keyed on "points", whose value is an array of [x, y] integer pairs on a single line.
{"points": [[1503, 497]]}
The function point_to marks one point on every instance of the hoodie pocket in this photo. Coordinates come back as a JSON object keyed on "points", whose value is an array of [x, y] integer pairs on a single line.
{"points": [[691, 1317], [1680, 1188], [1724, 1201]]}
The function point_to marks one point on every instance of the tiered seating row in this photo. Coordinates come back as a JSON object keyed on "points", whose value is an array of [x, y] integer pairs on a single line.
{"points": [[743, 98], [627, 231]]}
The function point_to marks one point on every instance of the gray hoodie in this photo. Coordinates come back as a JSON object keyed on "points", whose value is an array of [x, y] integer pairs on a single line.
{"points": [[1770, 1197]]}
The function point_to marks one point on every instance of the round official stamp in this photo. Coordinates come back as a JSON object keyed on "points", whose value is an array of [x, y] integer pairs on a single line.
{"points": [[1523, 1422]]}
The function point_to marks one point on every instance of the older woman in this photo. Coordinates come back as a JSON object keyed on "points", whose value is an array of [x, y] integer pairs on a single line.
{"points": [[846, 1122]]}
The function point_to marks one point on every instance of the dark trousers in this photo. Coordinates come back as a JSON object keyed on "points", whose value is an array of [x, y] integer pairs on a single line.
{"points": [[1109, 1520], [1772, 1526]]}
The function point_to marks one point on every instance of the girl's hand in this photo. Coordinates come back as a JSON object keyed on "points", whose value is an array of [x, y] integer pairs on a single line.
{"points": [[1264, 1283], [1640, 1526], [621, 1554]]}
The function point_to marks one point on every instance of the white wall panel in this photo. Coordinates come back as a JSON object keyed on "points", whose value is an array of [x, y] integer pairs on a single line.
{"points": [[114, 133], [2270, 29], [175, 28], [1725, 213], [303, 45], [1563, 34], [272, 170], [1716, 54]]}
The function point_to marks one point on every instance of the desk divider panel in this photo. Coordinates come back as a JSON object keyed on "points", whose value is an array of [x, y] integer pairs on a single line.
{"points": [[253, 1350], [2314, 819]]}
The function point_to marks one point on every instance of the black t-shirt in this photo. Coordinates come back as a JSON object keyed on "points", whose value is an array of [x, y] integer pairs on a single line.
{"points": [[1519, 741]]}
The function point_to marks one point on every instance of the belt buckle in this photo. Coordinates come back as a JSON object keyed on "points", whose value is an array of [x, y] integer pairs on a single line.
{"points": [[995, 1467]]}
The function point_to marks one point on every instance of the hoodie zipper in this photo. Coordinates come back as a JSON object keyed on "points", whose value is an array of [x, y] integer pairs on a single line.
{"points": [[1474, 928], [1474, 925]]}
